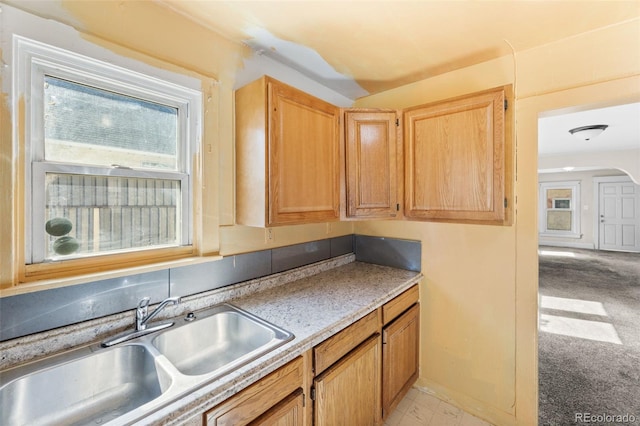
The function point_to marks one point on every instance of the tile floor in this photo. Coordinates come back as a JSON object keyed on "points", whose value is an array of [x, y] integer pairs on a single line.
{"points": [[418, 408]]}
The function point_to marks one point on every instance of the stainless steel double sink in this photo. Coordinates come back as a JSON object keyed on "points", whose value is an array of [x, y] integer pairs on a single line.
{"points": [[94, 385]]}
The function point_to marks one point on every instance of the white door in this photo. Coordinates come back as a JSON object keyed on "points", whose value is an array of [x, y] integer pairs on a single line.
{"points": [[619, 216]]}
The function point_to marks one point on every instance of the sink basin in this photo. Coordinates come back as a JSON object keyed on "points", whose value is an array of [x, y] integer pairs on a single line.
{"points": [[219, 341], [97, 385], [93, 389]]}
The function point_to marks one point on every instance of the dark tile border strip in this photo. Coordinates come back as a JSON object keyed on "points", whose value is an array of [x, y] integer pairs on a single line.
{"points": [[403, 254], [30, 313]]}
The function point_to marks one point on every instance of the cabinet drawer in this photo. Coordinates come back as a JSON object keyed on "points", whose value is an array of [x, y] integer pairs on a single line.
{"points": [[286, 413], [335, 347], [395, 307], [258, 398]]}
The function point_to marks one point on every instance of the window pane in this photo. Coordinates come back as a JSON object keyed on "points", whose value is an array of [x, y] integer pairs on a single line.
{"points": [[557, 193], [559, 220], [561, 203], [86, 125], [96, 214]]}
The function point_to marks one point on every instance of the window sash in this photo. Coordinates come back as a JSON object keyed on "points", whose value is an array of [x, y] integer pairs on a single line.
{"points": [[100, 80], [103, 125], [40, 169]]}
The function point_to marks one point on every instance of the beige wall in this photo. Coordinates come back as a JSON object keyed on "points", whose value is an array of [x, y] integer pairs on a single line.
{"points": [[479, 317], [479, 296]]}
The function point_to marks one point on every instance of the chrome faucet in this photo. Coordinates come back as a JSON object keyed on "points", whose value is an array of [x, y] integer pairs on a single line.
{"points": [[141, 312]]}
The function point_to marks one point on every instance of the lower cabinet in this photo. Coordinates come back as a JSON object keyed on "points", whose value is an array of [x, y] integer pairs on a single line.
{"points": [[399, 358], [348, 393], [346, 387], [277, 399], [364, 371], [354, 378]]}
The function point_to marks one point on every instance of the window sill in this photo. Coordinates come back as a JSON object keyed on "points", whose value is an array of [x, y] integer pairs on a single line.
{"points": [[46, 284], [550, 235]]}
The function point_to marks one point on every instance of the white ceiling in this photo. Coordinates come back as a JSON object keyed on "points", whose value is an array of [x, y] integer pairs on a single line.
{"points": [[623, 132]]}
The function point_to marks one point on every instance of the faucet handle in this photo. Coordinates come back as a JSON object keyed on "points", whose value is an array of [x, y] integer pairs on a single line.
{"points": [[143, 306]]}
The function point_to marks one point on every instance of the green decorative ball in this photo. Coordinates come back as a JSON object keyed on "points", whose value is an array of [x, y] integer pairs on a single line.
{"points": [[58, 226], [66, 245]]}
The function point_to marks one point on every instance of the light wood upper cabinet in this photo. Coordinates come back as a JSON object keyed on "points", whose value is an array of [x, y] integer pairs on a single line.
{"points": [[458, 160], [287, 156], [373, 163]]}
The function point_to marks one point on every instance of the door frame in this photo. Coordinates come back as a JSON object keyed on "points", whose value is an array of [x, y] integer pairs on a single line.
{"points": [[596, 202]]}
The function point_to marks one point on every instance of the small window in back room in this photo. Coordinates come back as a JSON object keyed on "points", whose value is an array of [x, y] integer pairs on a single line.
{"points": [[559, 213]]}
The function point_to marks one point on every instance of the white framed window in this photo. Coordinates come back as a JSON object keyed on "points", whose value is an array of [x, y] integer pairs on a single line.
{"points": [[559, 209], [108, 156]]}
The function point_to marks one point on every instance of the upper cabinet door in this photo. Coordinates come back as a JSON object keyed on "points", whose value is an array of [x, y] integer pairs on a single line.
{"points": [[373, 164], [287, 156], [457, 160], [304, 157]]}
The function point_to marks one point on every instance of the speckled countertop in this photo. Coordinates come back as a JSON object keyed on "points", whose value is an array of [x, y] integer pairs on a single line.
{"points": [[312, 302], [313, 309]]}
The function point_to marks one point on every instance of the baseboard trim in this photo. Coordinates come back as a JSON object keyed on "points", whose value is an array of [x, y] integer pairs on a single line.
{"points": [[587, 246]]}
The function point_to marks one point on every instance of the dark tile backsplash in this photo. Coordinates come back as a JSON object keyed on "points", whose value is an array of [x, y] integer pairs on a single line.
{"points": [[192, 279], [289, 257], [403, 254], [341, 245], [29, 313], [44, 310]]}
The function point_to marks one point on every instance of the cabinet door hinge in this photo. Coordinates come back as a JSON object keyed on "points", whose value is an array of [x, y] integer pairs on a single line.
{"points": [[397, 207], [505, 203], [397, 122], [312, 394], [506, 104]]}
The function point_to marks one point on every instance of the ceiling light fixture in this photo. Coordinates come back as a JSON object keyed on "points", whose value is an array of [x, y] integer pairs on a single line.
{"points": [[588, 132]]}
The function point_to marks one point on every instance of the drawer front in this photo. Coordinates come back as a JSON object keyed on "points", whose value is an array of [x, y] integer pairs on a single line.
{"points": [[395, 307], [258, 398], [289, 412], [335, 347]]}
